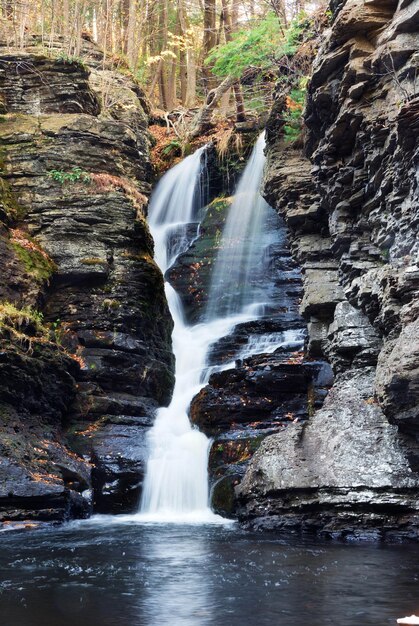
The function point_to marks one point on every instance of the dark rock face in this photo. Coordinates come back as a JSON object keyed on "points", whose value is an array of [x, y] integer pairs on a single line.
{"points": [[40, 478], [79, 175], [239, 407], [261, 391], [343, 473], [118, 448], [190, 275], [351, 205], [36, 85]]}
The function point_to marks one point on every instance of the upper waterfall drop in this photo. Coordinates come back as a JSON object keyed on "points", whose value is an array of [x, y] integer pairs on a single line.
{"points": [[234, 284], [175, 205]]}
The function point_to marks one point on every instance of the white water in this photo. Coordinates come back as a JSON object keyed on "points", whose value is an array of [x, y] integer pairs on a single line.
{"points": [[268, 343], [175, 204], [176, 482], [236, 278]]}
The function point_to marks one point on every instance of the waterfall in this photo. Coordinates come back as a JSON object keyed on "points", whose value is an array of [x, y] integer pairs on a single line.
{"points": [[175, 206], [238, 273], [176, 482]]}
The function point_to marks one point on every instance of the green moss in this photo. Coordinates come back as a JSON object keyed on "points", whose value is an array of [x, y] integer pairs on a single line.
{"points": [[219, 205], [109, 304], [385, 253], [76, 175], [222, 496], [66, 59], [11, 207], [35, 263]]}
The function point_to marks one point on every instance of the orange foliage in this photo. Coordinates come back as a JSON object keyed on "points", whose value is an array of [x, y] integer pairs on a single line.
{"points": [[292, 105], [108, 182], [21, 238]]}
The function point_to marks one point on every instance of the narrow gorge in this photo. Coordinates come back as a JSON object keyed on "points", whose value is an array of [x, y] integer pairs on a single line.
{"points": [[209, 335]]}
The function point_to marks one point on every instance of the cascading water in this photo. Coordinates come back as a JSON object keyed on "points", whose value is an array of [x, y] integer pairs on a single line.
{"points": [[176, 483], [236, 281]]}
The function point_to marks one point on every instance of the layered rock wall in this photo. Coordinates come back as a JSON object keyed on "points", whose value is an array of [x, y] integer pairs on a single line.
{"points": [[351, 204], [76, 176]]}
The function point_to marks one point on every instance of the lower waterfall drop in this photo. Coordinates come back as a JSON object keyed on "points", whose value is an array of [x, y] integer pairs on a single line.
{"points": [[176, 481]]}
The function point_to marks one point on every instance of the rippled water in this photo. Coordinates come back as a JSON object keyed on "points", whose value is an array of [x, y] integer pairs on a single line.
{"points": [[137, 575]]}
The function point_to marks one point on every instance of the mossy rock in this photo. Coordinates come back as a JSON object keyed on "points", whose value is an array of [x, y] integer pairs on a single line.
{"points": [[223, 499], [36, 263], [21, 322], [9, 206], [191, 273], [93, 261]]}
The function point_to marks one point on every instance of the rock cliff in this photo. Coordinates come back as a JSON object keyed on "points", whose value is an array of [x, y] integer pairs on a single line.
{"points": [[80, 382], [351, 205]]}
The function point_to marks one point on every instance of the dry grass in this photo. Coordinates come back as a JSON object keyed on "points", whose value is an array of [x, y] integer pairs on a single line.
{"points": [[108, 182], [24, 327]]}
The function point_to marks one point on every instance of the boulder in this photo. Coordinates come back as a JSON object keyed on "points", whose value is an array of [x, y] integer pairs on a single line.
{"points": [[344, 471]]}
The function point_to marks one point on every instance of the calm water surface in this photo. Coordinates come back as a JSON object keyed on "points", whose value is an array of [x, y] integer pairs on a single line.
{"points": [[109, 574]]}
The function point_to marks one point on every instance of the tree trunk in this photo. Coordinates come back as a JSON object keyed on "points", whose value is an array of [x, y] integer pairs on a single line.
{"points": [[203, 118], [163, 82], [183, 62], [279, 8], [210, 40], [187, 62], [132, 51], [191, 82], [66, 21], [230, 25], [240, 109], [171, 77]]}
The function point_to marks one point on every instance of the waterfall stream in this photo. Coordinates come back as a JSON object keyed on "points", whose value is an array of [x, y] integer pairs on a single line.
{"points": [[238, 272], [176, 482]]}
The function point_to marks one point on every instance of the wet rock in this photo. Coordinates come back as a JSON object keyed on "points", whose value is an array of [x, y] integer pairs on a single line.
{"points": [[322, 292], [190, 275], [40, 477], [262, 390], [352, 340], [229, 456], [350, 202], [118, 447], [346, 468]]}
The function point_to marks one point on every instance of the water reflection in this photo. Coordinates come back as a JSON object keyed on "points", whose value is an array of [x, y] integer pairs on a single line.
{"points": [[138, 575], [178, 588]]}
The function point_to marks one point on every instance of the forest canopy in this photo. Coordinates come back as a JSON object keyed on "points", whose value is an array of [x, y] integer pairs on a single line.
{"points": [[179, 50]]}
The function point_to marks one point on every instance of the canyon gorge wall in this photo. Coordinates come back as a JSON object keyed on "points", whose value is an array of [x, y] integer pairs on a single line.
{"points": [[79, 383], [78, 386], [351, 205]]}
